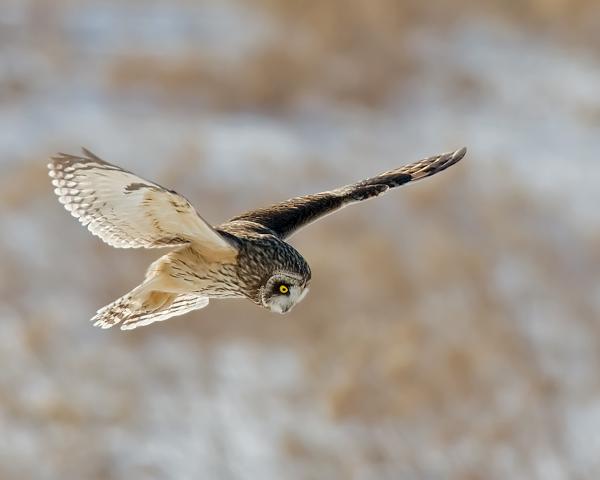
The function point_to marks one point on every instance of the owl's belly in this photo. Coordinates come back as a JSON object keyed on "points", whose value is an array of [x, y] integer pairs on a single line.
{"points": [[188, 271]]}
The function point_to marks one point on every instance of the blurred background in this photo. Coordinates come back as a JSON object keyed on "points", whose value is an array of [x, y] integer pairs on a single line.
{"points": [[452, 329]]}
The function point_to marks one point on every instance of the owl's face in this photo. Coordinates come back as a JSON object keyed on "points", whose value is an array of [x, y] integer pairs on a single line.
{"points": [[282, 291]]}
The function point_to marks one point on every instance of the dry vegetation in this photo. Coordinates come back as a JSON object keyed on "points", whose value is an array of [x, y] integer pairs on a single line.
{"points": [[347, 52], [422, 321], [452, 336]]}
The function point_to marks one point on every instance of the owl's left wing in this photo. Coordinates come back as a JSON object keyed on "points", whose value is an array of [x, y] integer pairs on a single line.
{"points": [[287, 217], [125, 210]]}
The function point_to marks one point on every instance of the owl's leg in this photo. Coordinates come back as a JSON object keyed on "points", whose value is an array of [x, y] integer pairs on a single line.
{"points": [[176, 272]]}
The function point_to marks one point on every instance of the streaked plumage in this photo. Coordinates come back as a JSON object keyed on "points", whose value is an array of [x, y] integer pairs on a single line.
{"points": [[244, 257]]}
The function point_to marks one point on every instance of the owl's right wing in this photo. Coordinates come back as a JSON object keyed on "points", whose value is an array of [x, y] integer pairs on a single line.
{"points": [[127, 211], [287, 217]]}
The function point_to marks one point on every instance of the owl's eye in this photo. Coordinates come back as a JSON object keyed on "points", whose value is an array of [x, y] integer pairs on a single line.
{"points": [[283, 289]]}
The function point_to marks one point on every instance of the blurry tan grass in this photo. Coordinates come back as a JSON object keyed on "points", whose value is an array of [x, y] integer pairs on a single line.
{"points": [[405, 315], [274, 78], [405, 321], [348, 51]]}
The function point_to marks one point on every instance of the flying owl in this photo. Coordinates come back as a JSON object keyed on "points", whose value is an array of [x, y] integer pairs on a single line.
{"points": [[246, 257]]}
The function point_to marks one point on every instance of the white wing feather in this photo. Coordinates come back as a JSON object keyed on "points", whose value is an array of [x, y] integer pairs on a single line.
{"points": [[127, 211]]}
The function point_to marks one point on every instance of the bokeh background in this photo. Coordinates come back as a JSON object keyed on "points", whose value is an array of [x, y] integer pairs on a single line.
{"points": [[452, 330]]}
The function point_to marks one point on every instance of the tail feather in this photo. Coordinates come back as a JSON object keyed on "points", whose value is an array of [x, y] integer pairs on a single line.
{"points": [[116, 312], [182, 304], [140, 307]]}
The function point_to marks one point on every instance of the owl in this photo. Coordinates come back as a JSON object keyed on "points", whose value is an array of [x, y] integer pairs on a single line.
{"points": [[245, 257]]}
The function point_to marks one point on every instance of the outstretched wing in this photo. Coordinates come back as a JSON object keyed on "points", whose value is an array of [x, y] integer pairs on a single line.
{"points": [[287, 217], [126, 211]]}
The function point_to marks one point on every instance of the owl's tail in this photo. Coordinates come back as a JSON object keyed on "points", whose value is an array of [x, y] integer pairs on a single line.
{"points": [[143, 306], [131, 305]]}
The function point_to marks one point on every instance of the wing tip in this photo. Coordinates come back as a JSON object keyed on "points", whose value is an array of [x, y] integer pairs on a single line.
{"points": [[446, 160], [89, 155], [432, 165], [61, 157], [459, 154]]}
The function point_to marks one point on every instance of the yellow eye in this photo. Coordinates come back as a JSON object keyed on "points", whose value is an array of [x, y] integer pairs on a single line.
{"points": [[283, 289]]}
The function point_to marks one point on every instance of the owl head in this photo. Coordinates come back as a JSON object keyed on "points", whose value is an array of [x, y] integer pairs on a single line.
{"points": [[283, 290]]}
